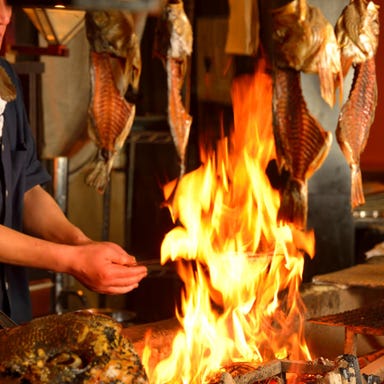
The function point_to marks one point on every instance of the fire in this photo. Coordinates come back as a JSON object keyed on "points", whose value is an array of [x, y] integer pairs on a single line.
{"points": [[241, 269]]}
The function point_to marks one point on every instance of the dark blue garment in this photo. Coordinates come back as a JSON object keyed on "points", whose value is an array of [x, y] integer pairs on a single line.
{"points": [[20, 170]]}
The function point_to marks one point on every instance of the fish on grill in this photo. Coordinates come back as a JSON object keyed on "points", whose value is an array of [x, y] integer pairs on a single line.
{"points": [[76, 347], [301, 144], [357, 31], [115, 68], [173, 45], [304, 40]]}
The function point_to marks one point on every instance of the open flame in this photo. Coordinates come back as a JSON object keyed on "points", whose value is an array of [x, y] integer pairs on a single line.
{"points": [[241, 269]]}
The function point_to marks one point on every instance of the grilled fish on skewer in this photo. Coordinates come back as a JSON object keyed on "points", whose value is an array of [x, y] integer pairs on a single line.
{"points": [[355, 120], [357, 31], [304, 40], [77, 347], [173, 45], [115, 66], [301, 144]]}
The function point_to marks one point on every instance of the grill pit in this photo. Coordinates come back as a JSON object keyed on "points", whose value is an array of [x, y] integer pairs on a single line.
{"points": [[333, 312]]}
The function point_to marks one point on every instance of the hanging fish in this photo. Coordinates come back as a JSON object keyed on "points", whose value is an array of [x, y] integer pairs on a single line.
{"points": [[357, 32], [115, 68], [301, 144], [304, 40], [173, 45]]}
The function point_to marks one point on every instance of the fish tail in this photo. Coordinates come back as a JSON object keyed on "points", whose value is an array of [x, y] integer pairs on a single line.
{"points": [[294, 203], [98, 177], [357, 192]]}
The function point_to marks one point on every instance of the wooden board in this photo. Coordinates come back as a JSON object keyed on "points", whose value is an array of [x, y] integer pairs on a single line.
{"points": [[361, 275]]}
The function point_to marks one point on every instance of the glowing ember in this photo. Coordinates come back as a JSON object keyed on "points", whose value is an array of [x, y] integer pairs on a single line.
{"points": [[241, 300]]}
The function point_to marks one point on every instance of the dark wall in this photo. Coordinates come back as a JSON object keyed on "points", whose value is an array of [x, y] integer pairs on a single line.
{"points": [[372, 159]]}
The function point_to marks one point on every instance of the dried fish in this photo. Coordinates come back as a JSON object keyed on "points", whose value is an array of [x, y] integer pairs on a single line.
{"points": [[304, 40], [355, 120], [357, 31], [301, 144], [76, 347], [115, 67], [173, 45]]}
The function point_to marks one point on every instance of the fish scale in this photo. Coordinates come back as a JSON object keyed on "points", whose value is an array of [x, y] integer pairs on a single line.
{"points": [[301, 144]]}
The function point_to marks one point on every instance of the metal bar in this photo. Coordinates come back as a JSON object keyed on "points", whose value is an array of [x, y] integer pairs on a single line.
{"points": [[130, 179], [149, 262]]}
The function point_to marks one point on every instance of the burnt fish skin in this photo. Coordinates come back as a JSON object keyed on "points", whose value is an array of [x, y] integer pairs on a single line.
{"points": [[76, 347], [301, 144]]}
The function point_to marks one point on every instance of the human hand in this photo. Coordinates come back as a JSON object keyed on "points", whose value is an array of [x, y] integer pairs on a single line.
{"points": [[106, 268]]}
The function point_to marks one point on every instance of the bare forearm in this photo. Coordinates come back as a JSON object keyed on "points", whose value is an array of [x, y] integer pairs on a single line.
{"points": [[43, 218], [51, 242], [20, 249], [101, 266]]}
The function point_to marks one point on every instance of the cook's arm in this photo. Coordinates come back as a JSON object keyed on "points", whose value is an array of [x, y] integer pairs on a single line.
{"points": [[44, 218], [101, 266]]}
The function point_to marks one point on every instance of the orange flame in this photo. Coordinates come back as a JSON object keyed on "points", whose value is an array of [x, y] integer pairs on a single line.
{"points": [[241, 300]]}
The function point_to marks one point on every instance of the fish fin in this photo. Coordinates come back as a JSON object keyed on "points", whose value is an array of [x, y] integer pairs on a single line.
{"points": [[357, 192], [339, 84], [98, 177], [327, 87], [294, 206]]}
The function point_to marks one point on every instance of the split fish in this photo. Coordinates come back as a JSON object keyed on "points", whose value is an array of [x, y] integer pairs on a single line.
{"points": [[301, 144], [115, 68], [173, 45], [304, 40], [357, 30], [76, 347]]}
